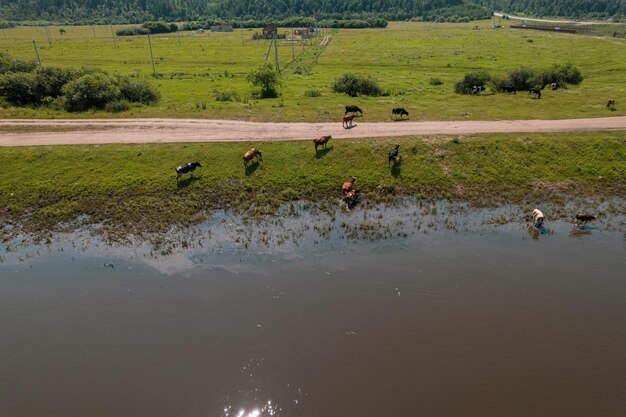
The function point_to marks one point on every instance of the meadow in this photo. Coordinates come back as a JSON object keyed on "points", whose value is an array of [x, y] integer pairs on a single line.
{"points": [[402, 58], [133, 188]]}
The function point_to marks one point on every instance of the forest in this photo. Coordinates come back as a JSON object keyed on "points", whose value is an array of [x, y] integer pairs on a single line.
{"points": [[139, 11]]}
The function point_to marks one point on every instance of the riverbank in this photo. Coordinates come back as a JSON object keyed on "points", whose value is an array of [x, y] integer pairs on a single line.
{"points": [[131, 190]]}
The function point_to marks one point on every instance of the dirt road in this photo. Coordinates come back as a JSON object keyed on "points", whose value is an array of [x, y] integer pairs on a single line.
{"points": [[101, 131]]}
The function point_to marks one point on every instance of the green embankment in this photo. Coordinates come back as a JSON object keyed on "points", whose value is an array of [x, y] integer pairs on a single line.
{"points": [[133, 189]]}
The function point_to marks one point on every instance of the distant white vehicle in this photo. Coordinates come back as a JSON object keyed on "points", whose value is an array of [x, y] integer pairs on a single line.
{"points": [[200, 30]]}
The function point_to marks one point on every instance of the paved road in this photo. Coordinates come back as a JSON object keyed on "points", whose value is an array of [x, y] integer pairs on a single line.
{"points": [[101, 131]]}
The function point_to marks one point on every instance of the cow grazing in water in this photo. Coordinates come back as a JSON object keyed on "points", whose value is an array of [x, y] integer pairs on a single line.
{"points": [[347, 119], [393, 155], [350, 197], [252, 153], [611, 104], [584, 217], [538, 218], [509, 89], [353, 110], [184, 169], [321, 141], [534, 91], [347, 186], [399, 111]]}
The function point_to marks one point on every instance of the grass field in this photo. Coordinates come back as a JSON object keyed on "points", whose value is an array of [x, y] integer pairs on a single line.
{"points": [[402, 58], [133, 189]]}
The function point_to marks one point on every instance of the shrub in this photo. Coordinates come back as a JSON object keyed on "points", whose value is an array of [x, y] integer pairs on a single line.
{"points": [[117, 106], [160, 27], [90, 91], [435, 81], [466, 85], [10, 64], [561, 74], [265, 79], [228, 95], [312, 93], [49, 81], [18, 88], [522, 79], [353, 85], [138, 90], [133, 31]]}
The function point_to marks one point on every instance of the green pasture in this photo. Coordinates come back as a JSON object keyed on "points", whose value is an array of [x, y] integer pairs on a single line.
{"points": [[402, 58], [134, 187]]}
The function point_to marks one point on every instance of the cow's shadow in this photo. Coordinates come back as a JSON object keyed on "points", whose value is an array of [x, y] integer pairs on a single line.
{"points": [[400, 120], [186, 182], [249, 169], [322, 152], [350, 126]]}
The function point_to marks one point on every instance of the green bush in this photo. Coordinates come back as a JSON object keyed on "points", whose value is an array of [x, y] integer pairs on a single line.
{"points": [[265, 81], [19, 88], [90, 91], [133, 31], [160, 27], [49, 81], [138, 90], [10, 64], [354, 85], [468, 82], [561, 74], [117, 106]]}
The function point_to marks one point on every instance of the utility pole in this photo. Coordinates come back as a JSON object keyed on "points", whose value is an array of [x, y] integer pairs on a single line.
{"points": [[276, 51], [178, 32], [37, 52], [93, 29], [113, 35], [293, 53], [152, 57], [242, 42], [48, 35]]}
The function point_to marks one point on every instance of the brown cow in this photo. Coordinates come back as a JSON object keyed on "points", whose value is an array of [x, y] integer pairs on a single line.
{"points": [[348, 119], [321, 141], [347, 186], [254, 152]]}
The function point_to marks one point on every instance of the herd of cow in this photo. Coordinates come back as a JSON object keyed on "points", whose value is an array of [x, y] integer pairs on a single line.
{"points": [[349, 194], [354, 110]]}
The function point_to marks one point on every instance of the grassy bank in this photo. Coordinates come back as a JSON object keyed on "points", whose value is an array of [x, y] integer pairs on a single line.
{"points": [[132, 188], [402, 58]]}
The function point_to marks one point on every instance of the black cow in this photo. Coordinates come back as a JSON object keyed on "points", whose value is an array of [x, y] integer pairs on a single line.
{"points": [[184, 169], [393, 155], [584, 217], [509, 89], [399, 111], [535, 91], [353, 109]]}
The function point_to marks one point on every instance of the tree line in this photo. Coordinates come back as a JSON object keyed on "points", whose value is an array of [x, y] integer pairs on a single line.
{"points": [[138, 11]]}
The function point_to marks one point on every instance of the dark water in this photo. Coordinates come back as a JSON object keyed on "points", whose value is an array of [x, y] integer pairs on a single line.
{"points": [[452, 321]]}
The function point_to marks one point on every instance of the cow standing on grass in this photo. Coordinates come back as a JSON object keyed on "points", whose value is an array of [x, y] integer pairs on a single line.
{"points": [[399, 111], [184, 169]]}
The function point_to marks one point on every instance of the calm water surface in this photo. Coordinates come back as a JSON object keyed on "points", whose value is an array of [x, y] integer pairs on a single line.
{"points": [[478, 321]]}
